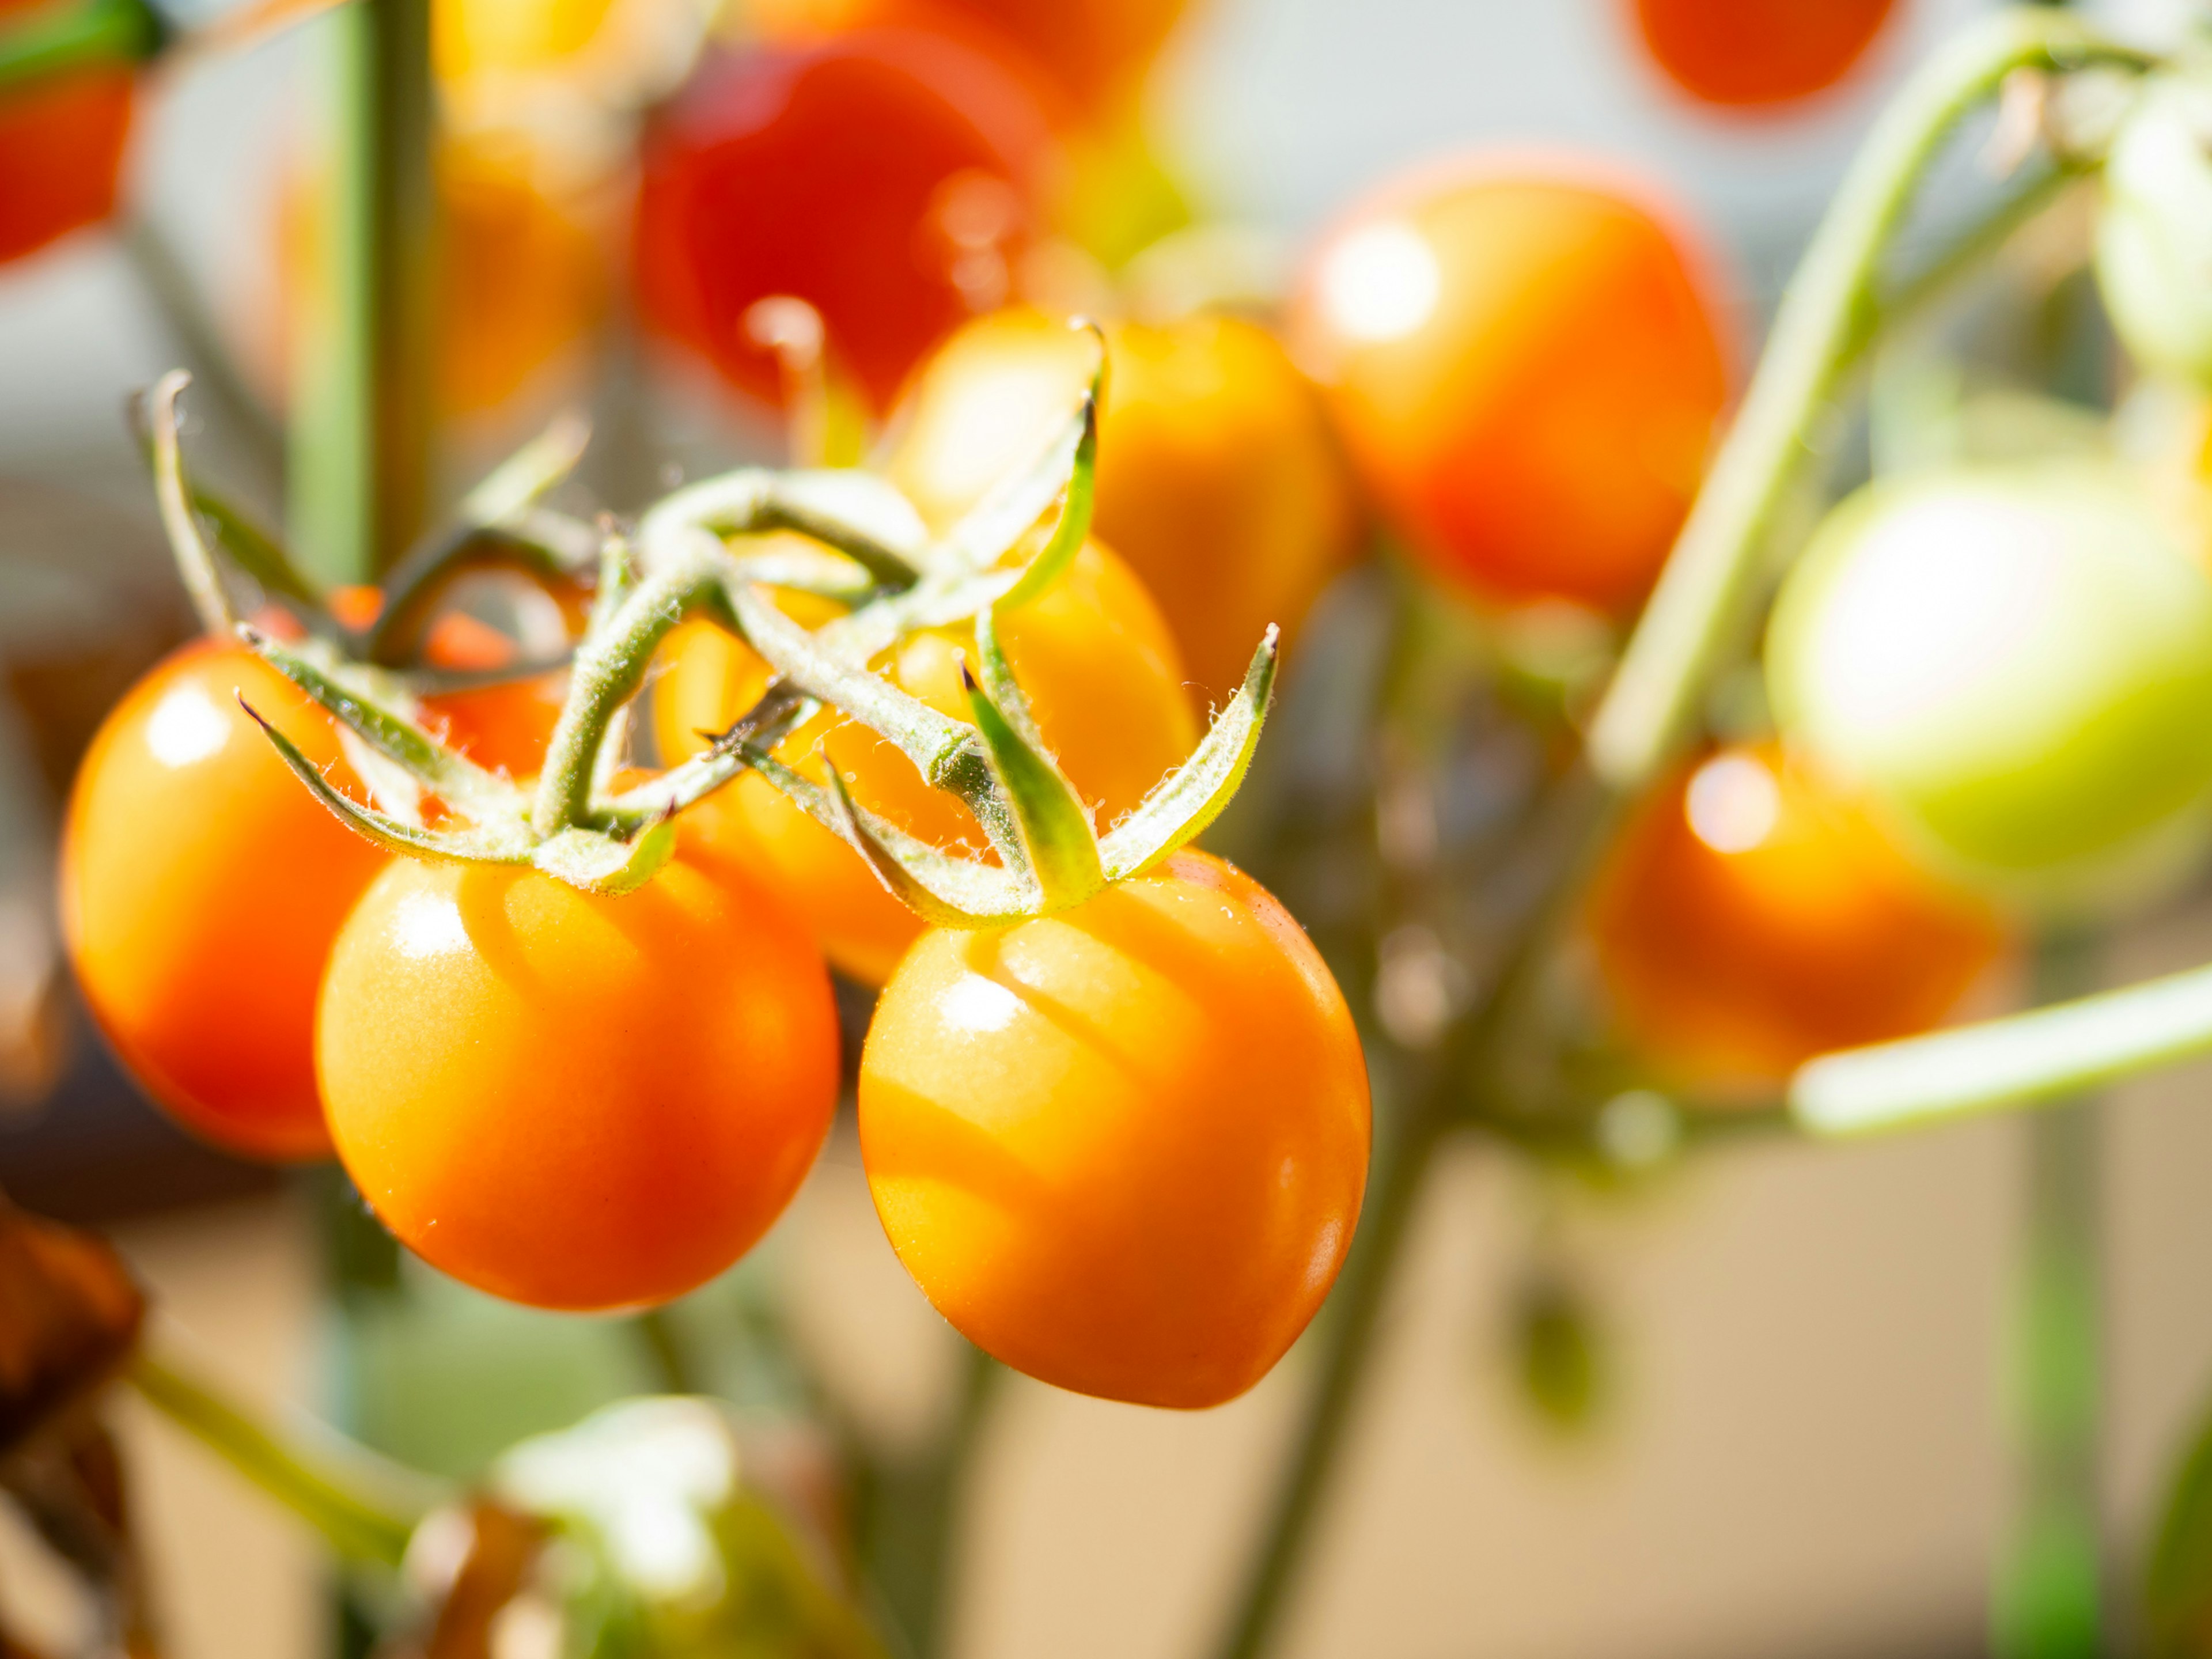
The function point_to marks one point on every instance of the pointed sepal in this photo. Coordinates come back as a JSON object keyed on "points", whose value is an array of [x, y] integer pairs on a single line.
{"points": [[1055, 825], [601, 864], [995, 525]]}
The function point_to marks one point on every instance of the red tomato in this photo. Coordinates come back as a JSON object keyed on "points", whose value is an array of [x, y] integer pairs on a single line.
{"points": [[878, 175], [201, 886], [61, 148], [1123, 1149], [574, 1100], [1753, 54], [1748, 920], [1527, 368]]}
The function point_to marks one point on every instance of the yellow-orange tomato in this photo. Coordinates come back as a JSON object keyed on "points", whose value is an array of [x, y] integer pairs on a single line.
{"points": [[1753, 54], [574, 1100], [1526, 367], [1103, 681], [521, 276], [1121, 1149], [201, 886], [1749, 920], [1218, 480]]}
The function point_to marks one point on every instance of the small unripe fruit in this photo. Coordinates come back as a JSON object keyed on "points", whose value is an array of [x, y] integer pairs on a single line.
{"points": [[2154, 237]]}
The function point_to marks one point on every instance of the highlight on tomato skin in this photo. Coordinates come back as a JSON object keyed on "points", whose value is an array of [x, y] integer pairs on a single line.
{"points": [[886, 176], [1748, 919], [62, 146], [571, 1100], [201, 887], [1758, 55], [1525, 359], [1121, 1149]]}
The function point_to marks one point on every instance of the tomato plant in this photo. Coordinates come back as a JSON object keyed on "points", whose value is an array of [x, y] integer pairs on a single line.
{"points": [[2154, 232], [577, 1100], [1218, 479], [62, 144], [1748, 919], [1527, 367], [1121, 1149], [1756, 54], [882, 176], [200, 887], [1103, 679], [2015, 665]]}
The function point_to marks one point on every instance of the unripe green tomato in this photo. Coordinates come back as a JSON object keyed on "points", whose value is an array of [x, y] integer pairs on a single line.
{"points": [[2016, 666], [2155, 235]]}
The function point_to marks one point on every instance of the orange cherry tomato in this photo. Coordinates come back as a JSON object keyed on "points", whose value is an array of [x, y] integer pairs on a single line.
{"points": [[881, 176], [573, 1100], [61, 151], [1218, 479], [1754, 54], [1103, 681], [1123, 1149], [1749, 920], [1527, 368], [1094, 53], [201, 886]]}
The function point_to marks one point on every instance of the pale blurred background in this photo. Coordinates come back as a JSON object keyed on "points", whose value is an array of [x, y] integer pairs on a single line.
{"points": [[1802, 1453]]}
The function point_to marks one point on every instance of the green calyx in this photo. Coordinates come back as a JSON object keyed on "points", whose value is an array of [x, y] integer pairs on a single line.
{"points": [[718, 550]]}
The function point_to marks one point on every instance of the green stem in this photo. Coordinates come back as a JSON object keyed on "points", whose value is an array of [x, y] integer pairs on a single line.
{"points": [[2046, 1594], [50, 43], [1699, 612], [2042, 1054], [365, 1509]]}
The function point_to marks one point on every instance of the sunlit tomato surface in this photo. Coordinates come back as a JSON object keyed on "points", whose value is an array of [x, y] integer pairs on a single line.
{"points": [[1094, 53], [881, 176], [61, 149], [1754, 54], [522, 276], [2015, 665], [575, 1100], [1527, 368], [1105, 684], [2154, 232], [1748, 920], [1123, 1149], [1218, 480], [201, 886]]}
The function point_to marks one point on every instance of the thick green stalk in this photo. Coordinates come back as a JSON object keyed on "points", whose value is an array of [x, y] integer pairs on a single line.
{"points": [[365, 1508], [1830, 318], [1698, 612], [2047, 1595]]}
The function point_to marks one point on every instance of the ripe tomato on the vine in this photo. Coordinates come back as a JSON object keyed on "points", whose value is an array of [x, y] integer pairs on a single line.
{"points": [[883, 176], [1103, 681], [201, 886], [1527, 367], [2014, 664], [1218, 479], [1748, 920], [1121, 1149], [61, 150], [574, 1100], [1756, 54]]}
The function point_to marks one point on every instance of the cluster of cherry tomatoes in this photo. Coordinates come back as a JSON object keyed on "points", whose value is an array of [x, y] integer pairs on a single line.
{"points": [[1122, 1147]]}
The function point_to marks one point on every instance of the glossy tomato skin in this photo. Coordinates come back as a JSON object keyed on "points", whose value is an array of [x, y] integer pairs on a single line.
{"points": [[878, 175], [573, 1100], [1527, 367], [61, 151], [201, 887], [1218, 481], [1103, 680], [1121, 1150], [1748, 919], [1758, 54], [2014, 666]]}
